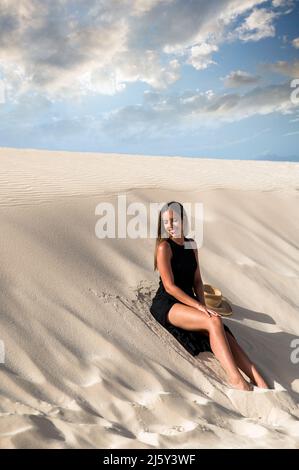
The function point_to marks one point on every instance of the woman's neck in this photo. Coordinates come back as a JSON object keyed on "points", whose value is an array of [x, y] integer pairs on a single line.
{"points": [[178, 240]]}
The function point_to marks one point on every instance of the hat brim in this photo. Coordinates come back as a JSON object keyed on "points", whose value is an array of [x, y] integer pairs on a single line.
{"points": [[224, 308]]}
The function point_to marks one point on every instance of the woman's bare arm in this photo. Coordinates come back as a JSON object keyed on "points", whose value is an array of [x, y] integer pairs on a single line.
{"points": [[164, 266]]}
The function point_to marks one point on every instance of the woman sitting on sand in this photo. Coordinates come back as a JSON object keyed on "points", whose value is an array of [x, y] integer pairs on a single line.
{"points": [[183, 312]]}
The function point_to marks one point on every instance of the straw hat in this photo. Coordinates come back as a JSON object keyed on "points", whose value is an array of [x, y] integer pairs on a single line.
{"points": [[215, 300]]}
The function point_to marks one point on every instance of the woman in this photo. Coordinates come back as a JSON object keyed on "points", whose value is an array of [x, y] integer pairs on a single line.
{"points": [[182, 310]]}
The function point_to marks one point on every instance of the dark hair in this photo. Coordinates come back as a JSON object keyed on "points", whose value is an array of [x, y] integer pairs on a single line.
{"points": [[162, 235]]}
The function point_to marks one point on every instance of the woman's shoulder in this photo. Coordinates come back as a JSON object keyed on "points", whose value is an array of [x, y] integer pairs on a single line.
{"points": [[164, 250], [164, 245]]}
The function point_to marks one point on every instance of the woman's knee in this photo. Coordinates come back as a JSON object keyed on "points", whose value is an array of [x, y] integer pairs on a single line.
{"points": [[215, 322]]}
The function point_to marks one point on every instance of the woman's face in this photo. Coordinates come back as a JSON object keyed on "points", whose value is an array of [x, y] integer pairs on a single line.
{"points": [[172, 223]]}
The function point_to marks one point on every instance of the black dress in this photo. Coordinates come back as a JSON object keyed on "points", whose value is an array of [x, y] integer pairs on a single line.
{"points": [[183, 263]]}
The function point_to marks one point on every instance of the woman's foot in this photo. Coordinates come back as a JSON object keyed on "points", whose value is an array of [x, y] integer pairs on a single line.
{"points": [[241, 384], [258, 379], [260, 383]]}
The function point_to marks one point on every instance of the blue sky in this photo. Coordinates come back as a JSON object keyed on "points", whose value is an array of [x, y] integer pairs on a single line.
{"points": [[154, 77]]}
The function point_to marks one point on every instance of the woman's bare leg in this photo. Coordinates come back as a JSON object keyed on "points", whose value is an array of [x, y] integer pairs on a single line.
{"points": [[221, 348], [189, 318], [244, 363]]}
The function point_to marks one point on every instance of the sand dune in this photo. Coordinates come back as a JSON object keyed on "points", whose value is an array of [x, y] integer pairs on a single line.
{"points": [[86, 365]]}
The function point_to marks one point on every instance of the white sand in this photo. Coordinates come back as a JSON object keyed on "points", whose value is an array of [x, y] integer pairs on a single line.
{"points": [[86, 364]]}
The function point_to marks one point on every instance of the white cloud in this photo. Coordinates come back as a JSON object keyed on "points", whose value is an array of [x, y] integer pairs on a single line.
{"points": [[191, 110], [295, 43], [200, 55], [140, 7], [66, 48], [258, 25], [239, 78], [291, 133], [290, 69], [282, 3], [69, 52]]}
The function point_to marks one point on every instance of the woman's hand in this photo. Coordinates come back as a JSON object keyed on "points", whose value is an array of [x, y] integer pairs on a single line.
{"points": [[207, 311]]}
